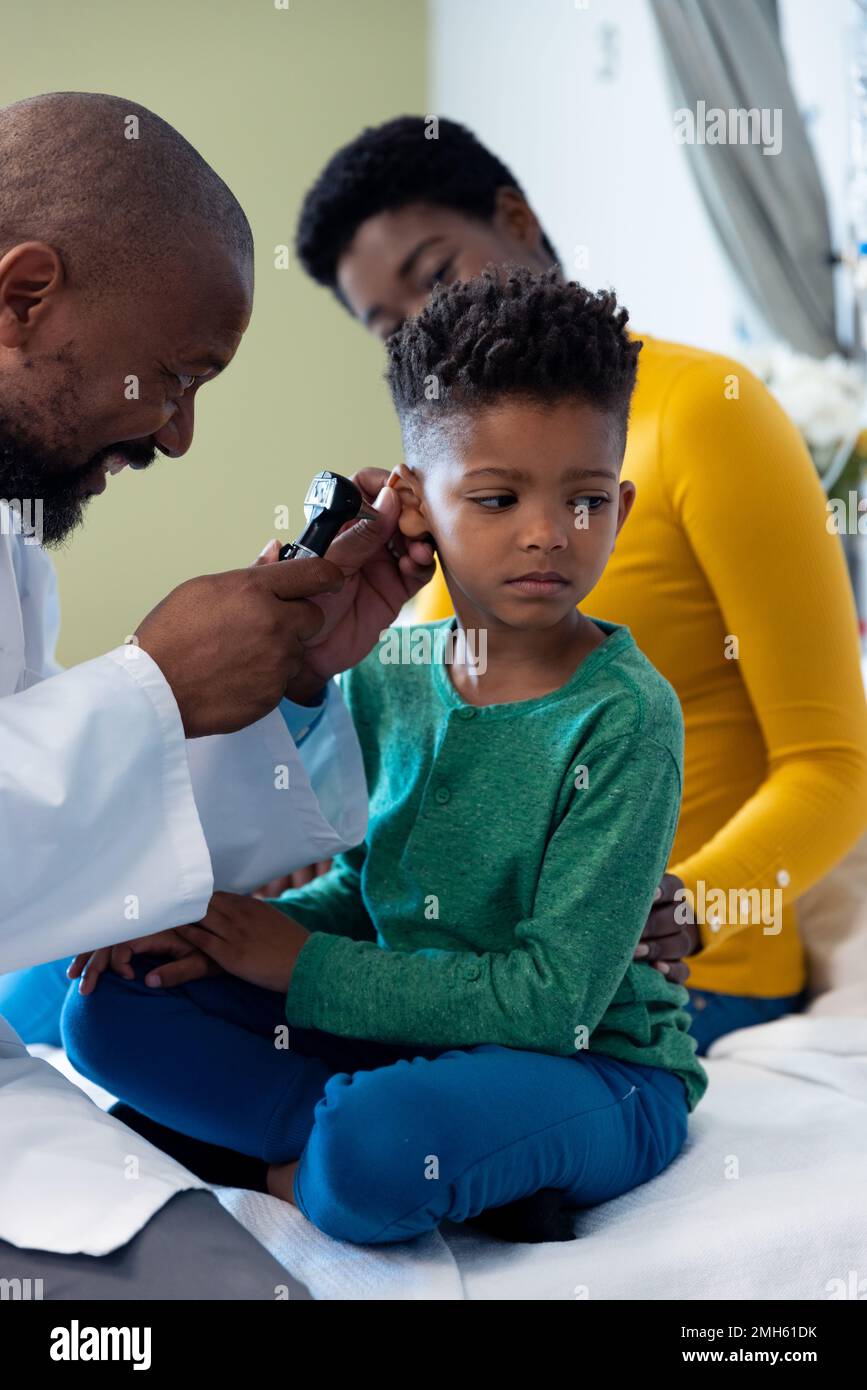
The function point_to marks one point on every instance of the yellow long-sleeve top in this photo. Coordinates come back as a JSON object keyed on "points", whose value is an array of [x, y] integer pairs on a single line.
{"points": [[733, 586]]}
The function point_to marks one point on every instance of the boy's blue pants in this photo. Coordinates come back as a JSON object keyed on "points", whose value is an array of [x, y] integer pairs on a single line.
{"points": [[392, 1140]]}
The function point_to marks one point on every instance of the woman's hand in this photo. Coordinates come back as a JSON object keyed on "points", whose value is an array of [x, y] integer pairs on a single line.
{"points": [[665, 941], [187, 963], [248, 938]]}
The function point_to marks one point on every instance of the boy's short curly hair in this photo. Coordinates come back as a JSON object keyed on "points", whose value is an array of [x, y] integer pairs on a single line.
{"points": [[387, 167], [512, 333]]}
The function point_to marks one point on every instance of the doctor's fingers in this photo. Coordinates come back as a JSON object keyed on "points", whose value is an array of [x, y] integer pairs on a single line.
{"points": [[89, 966], [75, 968], [163, 943], [371, 481], [218, 919], [297, 579], [216, 947], [298, 622], [223, 908], [362, 539], [193, 966], [267, 555]]}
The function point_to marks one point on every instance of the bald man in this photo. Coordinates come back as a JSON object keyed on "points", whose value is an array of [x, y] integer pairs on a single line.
{"points": [[145, 776]]}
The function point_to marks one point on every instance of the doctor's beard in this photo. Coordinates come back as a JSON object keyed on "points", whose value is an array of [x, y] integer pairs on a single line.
{"points": [[31, 474]]}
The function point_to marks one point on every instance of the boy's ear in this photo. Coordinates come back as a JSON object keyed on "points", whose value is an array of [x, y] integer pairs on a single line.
{"points": [[625, 503], [413, 522]]}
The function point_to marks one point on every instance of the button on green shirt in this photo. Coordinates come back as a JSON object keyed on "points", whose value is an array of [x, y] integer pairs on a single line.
{"points": [[511, 859]]}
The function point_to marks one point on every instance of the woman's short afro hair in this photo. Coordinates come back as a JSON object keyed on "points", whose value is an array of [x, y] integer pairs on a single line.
{"points": [[388, 167], [512, 333]]}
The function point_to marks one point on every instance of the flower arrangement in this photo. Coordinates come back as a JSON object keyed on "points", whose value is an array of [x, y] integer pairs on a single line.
{"points": [[827, 400]]}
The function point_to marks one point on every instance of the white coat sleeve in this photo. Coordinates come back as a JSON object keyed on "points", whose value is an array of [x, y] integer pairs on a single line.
{"points": [[112, 825], [268, 807], [99, 835]]}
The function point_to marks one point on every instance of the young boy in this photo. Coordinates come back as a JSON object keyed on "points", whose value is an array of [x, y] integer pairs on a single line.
{"points": [[466, 1023]]}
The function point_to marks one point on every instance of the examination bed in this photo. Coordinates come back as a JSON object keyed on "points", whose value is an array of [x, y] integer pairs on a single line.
{"points": [[768, 1200]]}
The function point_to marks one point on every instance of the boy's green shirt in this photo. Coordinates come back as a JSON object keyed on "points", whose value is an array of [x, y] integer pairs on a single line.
{"points": [[510, 864]]}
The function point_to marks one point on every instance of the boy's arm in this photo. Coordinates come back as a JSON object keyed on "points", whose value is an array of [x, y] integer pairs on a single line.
{"points": [[599, 874], [332, 903]]}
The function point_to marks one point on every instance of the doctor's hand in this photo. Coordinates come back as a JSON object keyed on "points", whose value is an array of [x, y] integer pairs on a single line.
{"points": [[248, 938], [666, 940], [229, 644], [381, 571], [187, 963]]}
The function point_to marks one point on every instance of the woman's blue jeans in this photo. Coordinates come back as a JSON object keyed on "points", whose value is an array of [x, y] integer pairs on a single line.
{"points": [[714, 1015]]}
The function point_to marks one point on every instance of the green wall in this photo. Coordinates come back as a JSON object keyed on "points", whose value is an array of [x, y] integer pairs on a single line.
{"points": [[266, 95]]}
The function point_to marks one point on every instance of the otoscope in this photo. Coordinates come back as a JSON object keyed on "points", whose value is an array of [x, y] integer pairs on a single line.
{"points": [[331, 501]]}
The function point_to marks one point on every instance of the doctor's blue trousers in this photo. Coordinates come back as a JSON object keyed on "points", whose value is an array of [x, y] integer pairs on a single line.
{"points": [[391, 1140]]}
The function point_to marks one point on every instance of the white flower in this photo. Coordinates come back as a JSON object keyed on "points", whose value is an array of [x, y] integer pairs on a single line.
{"points": [[824, 397]]}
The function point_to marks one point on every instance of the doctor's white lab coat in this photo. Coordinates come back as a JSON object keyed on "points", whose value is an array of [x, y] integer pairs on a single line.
{"points": [[112, 825]]}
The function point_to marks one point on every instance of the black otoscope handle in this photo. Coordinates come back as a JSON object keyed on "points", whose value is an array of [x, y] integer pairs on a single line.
{"points": [[331, 501]]}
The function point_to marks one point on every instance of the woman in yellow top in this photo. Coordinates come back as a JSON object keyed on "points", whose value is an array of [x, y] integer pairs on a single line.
{"points": [[726, 574]]}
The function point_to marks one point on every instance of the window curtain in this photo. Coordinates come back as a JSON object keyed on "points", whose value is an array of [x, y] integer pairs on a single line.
{"points": [[769, 209]]}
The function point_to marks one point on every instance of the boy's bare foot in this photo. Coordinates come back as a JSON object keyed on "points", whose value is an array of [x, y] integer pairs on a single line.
{"points": [[281, 1181]]}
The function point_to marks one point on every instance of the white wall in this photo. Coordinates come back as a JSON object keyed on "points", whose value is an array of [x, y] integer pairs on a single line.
{"points": [[574, 100]]}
